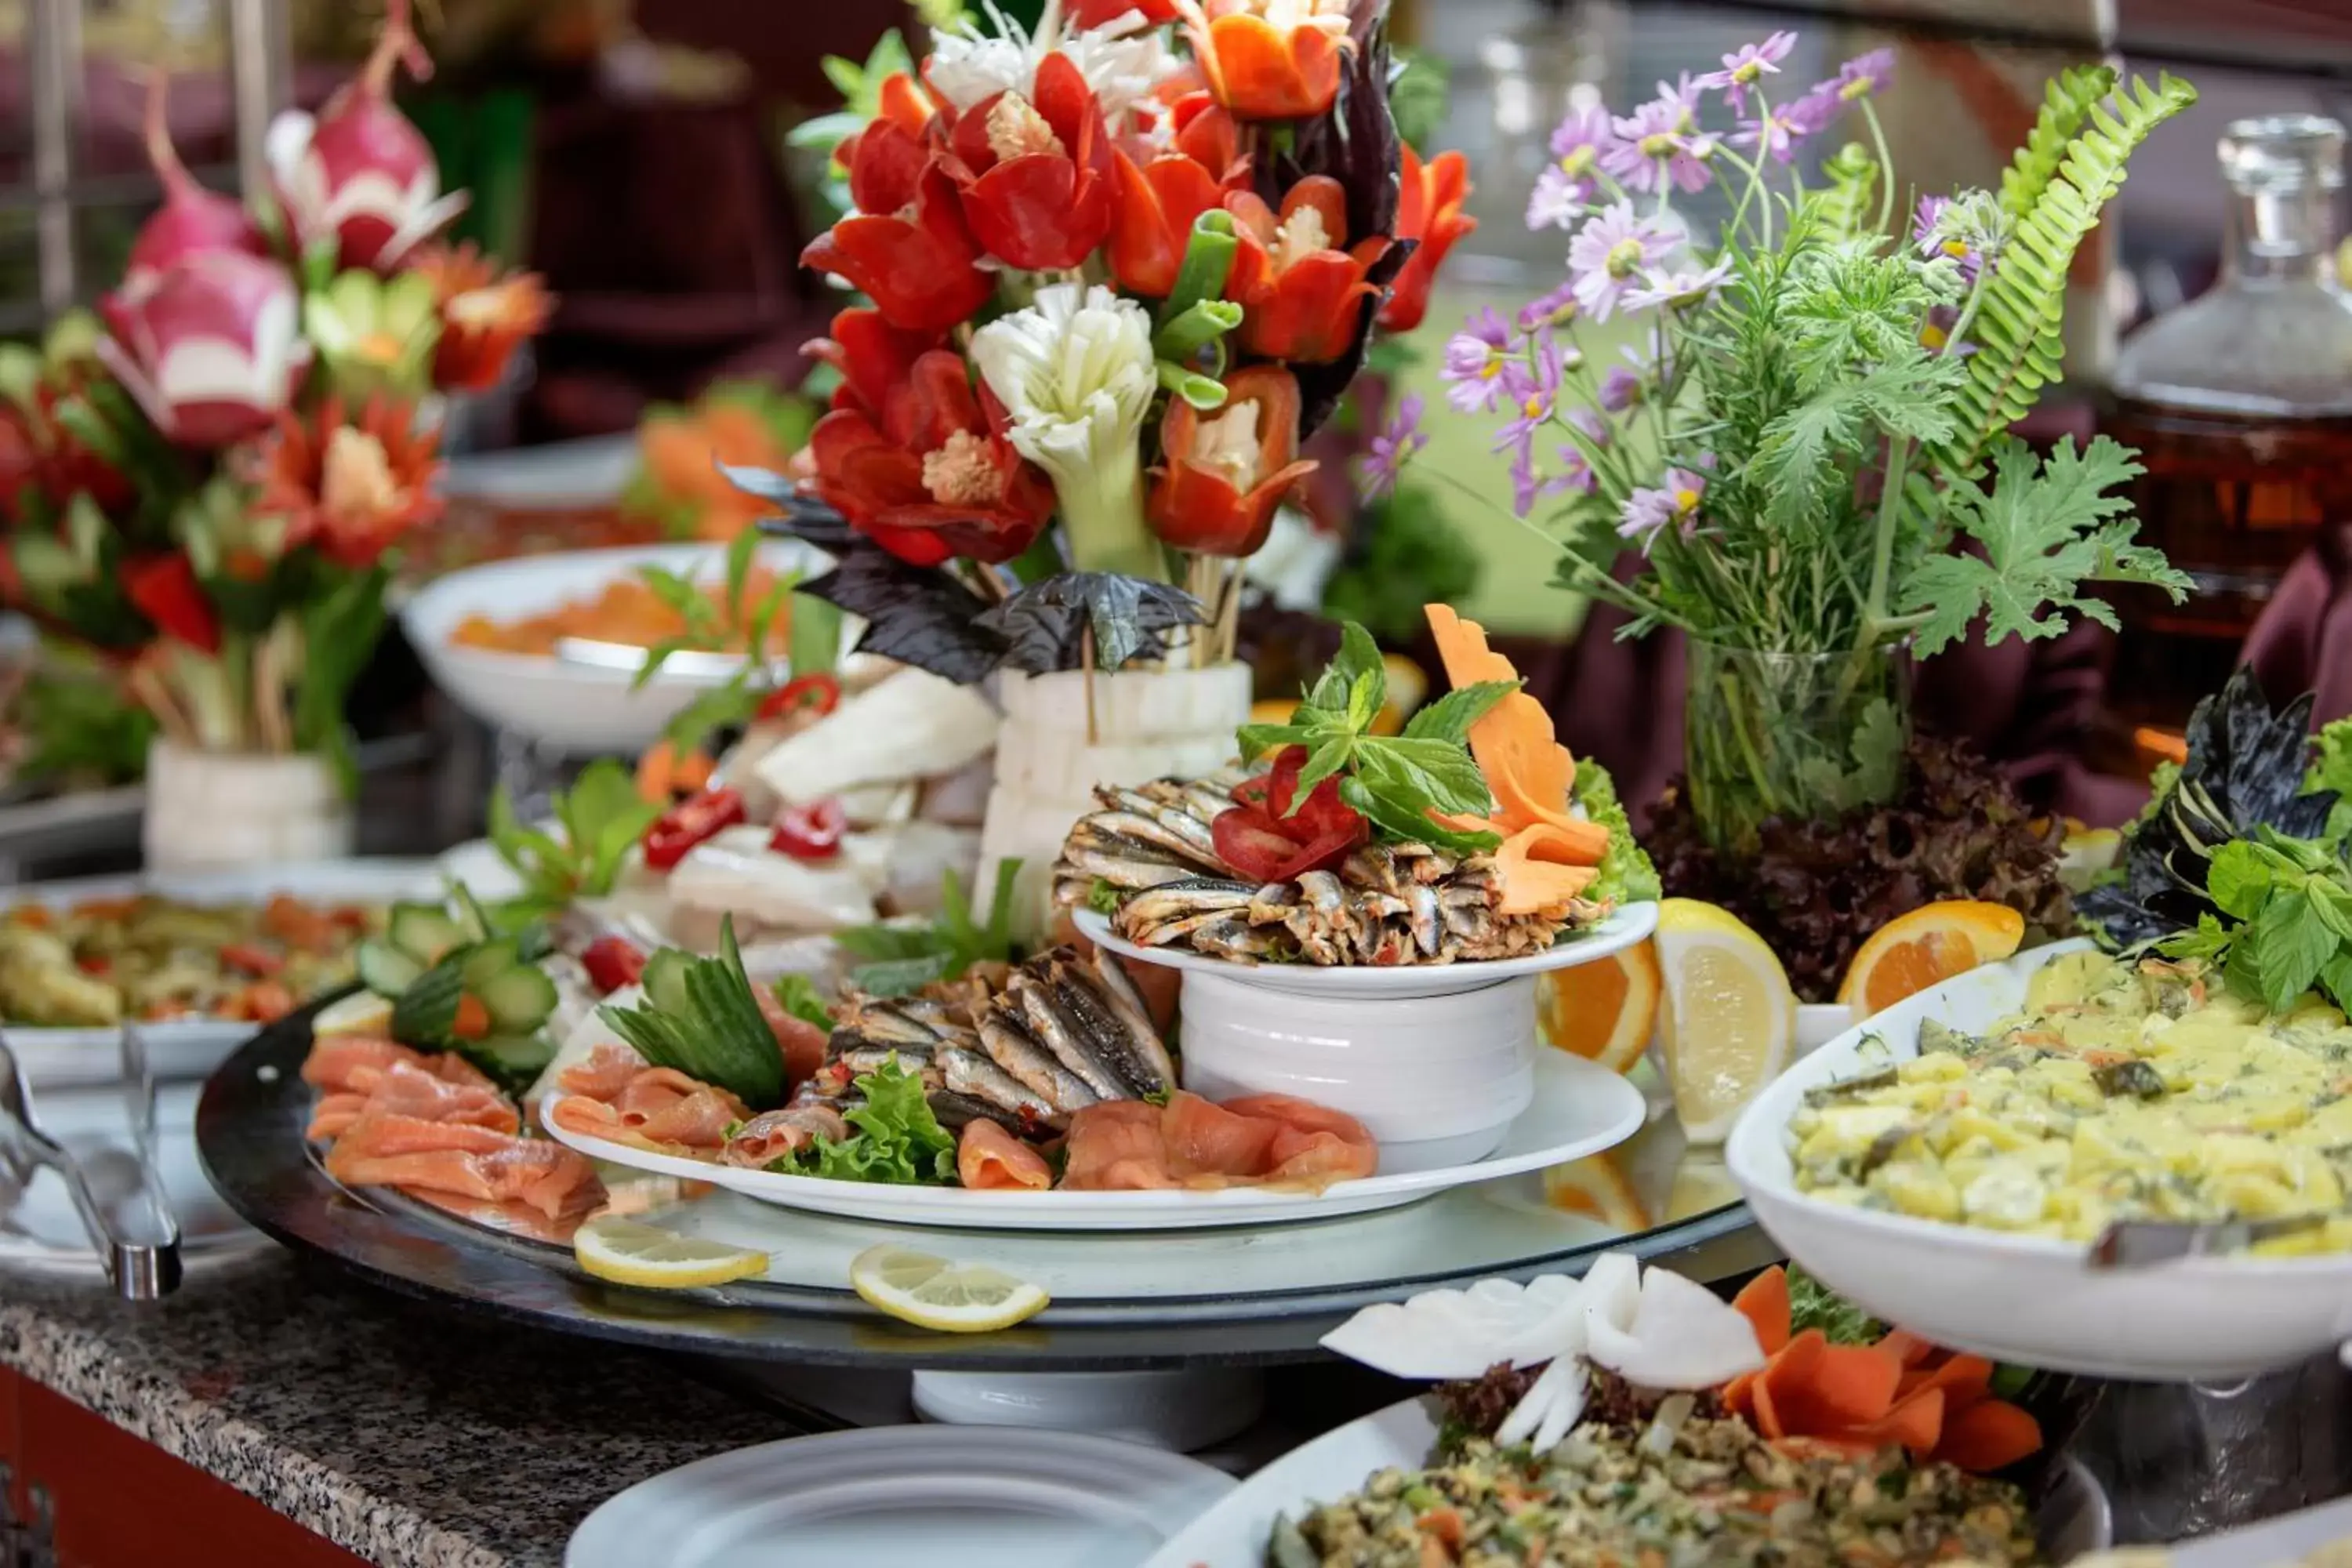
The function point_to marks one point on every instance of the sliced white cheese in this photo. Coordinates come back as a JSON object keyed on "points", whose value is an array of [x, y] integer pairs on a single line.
{"points": [[878, 805], [909, 726]]}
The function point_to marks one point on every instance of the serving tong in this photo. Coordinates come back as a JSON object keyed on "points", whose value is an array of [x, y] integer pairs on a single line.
{"points": [[121, 1199], [2144, 1243], [629, 659]]}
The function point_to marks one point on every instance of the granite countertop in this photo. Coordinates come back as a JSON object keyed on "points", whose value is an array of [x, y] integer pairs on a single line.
{"points": [[412, 1437]]}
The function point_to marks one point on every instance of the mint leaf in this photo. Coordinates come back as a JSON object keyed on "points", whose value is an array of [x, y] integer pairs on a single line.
{"points": [[2239, 879], [2045, 532], [2336, 979], [2292, 943], [1431, 776], [2331, 769], [1449, 718], [1401, 823], [1327, 759]]}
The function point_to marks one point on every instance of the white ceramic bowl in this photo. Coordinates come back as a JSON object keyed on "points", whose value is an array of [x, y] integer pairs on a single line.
{"points": [[2028, 1300], [1436, 1060], [576, 708], [1434, 1079]]}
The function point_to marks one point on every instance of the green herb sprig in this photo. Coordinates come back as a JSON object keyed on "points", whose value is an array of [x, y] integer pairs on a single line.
{"points": [[899, 959], [2285, 925], [597, 819], [1396, 781], [733, 703]]}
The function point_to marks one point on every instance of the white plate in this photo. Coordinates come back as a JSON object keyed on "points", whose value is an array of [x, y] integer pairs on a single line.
{"points": [[1621, 929], [189, 1048], [2032, 1300], [577, 708], [1234, 1532], [39, 1228], [1578, 1109], [899, 1496]]}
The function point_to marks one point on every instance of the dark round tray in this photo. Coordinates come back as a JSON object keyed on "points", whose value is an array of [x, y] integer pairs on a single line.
{"points": [[250, 1136]]}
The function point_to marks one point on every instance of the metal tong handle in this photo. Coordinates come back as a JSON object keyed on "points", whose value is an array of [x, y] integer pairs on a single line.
{"points": [[139, 1269], [2142, 1244]]}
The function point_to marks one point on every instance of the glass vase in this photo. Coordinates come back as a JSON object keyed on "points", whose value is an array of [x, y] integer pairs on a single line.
{"points": [[1808, 736]]}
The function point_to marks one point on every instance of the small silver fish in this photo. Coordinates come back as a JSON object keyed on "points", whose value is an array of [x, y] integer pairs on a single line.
{"points": [[1060, 1034], [968, 1072], [1011, 1047]]}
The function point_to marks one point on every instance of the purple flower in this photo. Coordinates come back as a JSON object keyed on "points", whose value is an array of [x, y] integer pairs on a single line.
{"points": [[1479, 369], [1865, 76], [1749, 64], [1564, 189], [1537, 396], [1611, 253], [1967, 228], [1621, 389], [1660, 142], [1924, 219], [1673, 504], [1556, 308], [1393, 448], [1775, 131], [1935, 331], [1530, 484], [1816, 112], [1678, 287], [1594, 428]]}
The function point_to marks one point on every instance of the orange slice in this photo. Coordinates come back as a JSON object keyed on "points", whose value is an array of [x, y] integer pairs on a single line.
{"points": [[1598, 1189], [1604, 1011], [1931, 943]]}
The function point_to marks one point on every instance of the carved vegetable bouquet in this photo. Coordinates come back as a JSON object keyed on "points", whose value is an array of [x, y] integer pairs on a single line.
{"points": [[1120, 266], [201, 488], [1809, 446]]}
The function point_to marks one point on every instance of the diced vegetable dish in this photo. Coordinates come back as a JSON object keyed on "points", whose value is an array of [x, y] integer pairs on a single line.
{"points": [[2122, 1091], [147, 957]]}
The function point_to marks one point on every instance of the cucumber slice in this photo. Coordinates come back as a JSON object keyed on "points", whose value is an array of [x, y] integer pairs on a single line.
{"points": [[665, 982], [480, 965], [424, 931], [519, 1000], [533, 943], [513, 1058], [387, 970], [427, 1011]]}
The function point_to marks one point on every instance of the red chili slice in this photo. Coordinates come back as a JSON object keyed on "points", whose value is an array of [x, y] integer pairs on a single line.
{"points": [[816, 694], [811, 832], [688, 823]]}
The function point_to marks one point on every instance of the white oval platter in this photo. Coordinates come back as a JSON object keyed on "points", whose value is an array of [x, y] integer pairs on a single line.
{"points": [[1578, 1109]]}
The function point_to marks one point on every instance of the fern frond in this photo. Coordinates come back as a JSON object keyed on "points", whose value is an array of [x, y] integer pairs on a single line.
{"points": [[1849, 207], [2066, 105], [2019, 347]]}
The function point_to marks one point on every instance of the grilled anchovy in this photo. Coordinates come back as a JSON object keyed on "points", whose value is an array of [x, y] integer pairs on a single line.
{"points": [[1108, 1033], [968, 1072], [1011, 1047]]}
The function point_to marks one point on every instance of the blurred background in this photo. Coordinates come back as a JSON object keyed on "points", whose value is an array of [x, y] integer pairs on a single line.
{"points": [[643, 158]]}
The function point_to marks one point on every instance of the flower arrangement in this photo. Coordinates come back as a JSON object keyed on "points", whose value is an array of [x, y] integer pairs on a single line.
{"points": [[1119, 266], [1806, 449], [201, 485]]}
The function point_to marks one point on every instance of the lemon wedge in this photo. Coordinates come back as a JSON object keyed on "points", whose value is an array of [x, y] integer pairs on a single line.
{"points": [[933, 1293], [361, 1013], [631, 1252], [1730, 1017]]}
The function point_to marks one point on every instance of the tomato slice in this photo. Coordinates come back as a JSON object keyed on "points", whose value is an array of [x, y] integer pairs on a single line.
{"points": [[811, 832], [1321, 813], [1255, 845], [612, 962]]}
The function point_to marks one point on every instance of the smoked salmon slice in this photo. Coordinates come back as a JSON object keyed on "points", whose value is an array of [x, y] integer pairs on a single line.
{"points": [[1258, 1139], [990, 1158]]}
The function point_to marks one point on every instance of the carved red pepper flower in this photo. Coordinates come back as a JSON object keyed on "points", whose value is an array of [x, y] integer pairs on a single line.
{"points": [[1270, 60], [1160, 199], [1035, 174], [1430, 212], [1301, 291], [351, 487], [906, 247], [1226, 471], [933, 477]]}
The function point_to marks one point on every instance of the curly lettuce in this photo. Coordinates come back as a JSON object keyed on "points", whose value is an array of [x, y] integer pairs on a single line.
{"points": [[898, 1139], [1626, 874]]}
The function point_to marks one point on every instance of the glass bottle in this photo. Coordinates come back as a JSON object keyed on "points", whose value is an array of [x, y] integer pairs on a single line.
{"points": [[2240, 404]]}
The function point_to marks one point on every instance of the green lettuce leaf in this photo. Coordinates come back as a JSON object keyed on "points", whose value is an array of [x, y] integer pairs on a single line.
{"points": [[1626, 874], [803, 1001], [898, 1139]]}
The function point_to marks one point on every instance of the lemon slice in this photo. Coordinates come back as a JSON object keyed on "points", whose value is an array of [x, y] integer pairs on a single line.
{"points": [[1730, 1017], [361, 1013], [631, 1252], [933, 1293]]}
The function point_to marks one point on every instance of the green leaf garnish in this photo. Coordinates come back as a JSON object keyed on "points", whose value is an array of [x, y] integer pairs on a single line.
{"points": [[898, 1139]]}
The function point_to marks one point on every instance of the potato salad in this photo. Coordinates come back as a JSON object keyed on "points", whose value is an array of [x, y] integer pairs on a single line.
{"points": [[2125, 1090]]}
